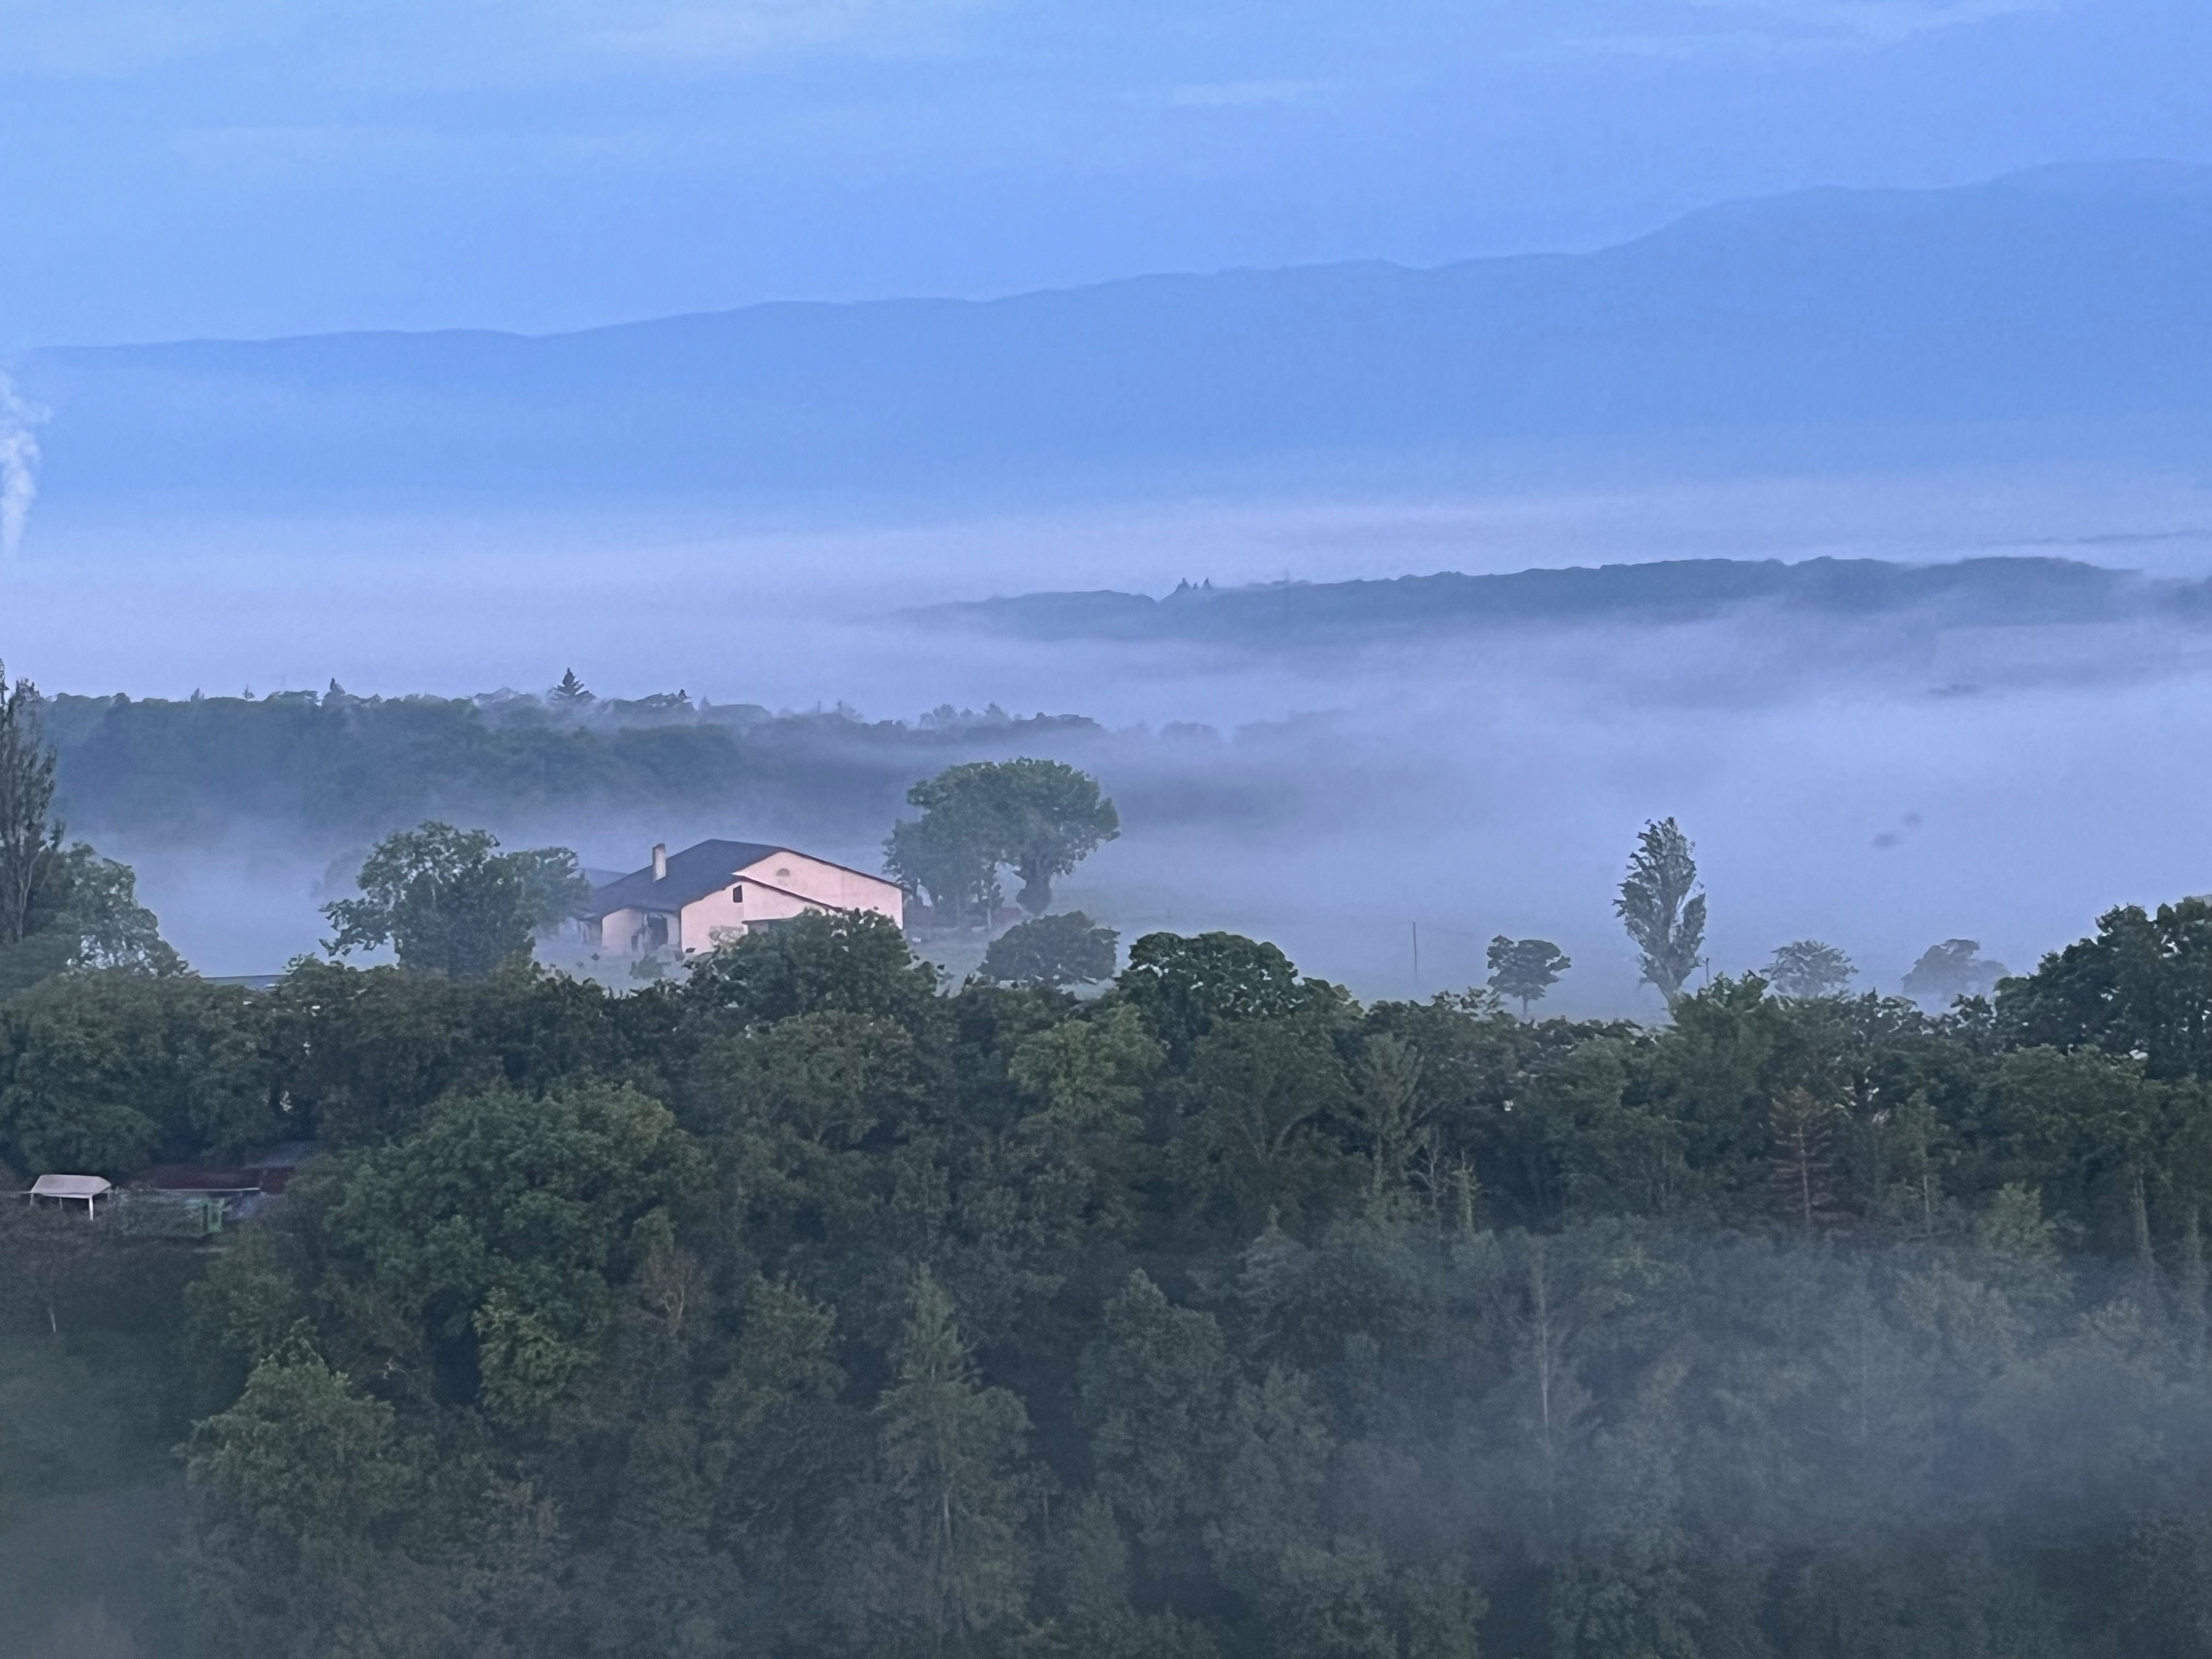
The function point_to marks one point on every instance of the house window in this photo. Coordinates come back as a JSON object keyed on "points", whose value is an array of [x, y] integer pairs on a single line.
{"points": [[738, 894]]}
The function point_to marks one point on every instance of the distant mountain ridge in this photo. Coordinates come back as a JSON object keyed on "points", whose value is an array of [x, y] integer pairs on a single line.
{"points": [[2052, 313], [2005, 591]]}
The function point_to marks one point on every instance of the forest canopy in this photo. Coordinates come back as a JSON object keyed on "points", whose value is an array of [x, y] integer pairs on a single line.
{"points": [[806, 1307]]}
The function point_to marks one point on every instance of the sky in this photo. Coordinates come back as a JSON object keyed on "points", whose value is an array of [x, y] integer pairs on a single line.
{"points": [[254, 168]]}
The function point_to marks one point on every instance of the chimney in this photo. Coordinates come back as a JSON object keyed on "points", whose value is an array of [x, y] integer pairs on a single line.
{"points": [[660, 861]]}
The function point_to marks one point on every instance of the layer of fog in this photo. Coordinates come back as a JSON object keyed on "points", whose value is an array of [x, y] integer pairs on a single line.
{"points": [[1874, 787]]}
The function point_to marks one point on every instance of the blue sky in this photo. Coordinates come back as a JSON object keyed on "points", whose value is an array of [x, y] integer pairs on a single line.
{"points": [[263, 167]]}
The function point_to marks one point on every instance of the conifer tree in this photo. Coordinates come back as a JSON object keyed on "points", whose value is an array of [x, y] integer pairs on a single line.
{"points": [[952, 1491]]}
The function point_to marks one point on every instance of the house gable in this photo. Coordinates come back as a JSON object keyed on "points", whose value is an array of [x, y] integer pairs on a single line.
{"points": [[723, 887]]}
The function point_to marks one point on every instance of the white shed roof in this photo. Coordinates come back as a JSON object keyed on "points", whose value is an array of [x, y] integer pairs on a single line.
{"points": [[69, 1186]]}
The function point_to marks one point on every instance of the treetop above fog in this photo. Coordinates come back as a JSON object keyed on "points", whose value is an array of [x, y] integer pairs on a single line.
{"points": [[447, 902], [1661, 908], [1042, 817]]}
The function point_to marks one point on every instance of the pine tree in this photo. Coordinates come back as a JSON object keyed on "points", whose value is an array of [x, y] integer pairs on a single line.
{"points": [[953, 1490], [1155, 1384]]}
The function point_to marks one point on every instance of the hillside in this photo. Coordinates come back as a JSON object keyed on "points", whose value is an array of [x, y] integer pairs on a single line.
{"points": [[2057, 312], [806, 1305]]}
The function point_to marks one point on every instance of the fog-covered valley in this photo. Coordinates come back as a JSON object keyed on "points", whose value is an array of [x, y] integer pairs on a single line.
{"points": [[1881, 779]]}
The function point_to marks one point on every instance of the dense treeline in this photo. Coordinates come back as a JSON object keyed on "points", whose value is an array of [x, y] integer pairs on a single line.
{"points": [[349, 766], [802, 1308]]}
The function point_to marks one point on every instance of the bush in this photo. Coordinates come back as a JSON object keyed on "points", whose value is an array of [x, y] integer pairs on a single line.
{"points": [[1063, 949]]}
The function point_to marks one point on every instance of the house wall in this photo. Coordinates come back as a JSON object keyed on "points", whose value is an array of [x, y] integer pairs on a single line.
{"points": [[805, 878], [702, 916], [828, 884]]}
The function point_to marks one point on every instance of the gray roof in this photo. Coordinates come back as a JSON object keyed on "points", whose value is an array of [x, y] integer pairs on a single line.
{"points": [[692, 874]]}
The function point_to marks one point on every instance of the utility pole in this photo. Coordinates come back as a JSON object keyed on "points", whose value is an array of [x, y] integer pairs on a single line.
{"points": [[1417, 958]]}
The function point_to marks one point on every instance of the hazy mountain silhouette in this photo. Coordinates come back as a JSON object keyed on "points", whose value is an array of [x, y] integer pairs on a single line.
{"points": [[2058, 311]]}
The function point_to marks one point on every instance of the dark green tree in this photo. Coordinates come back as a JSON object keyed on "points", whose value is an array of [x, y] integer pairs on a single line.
{"points": [[1041, 816], [1055, 950], [2143, 985], [1807, 968], [1090, 1077], [104, 1073], [1524, 969], [944, 1563], [951, 853], [1268, 1092], [361, 1054], [1055, 818], [1095, 1617], [830, 1077], [554, 889], [1661, 908], [496, 1232], [1155, 1387], [776, 1416], [304, 1457], [86, 916], [449, 902], [847, 962], [1184, 984], [110, 928]]}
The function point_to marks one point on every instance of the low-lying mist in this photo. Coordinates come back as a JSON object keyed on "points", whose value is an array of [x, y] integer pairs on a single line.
{"points": [[1380, 809]]}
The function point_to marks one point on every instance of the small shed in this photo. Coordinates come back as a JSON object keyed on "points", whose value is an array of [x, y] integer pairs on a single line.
{"points": [[72, 1189]]}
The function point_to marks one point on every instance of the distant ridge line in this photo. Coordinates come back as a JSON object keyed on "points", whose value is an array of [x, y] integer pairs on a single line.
{"points": [[1989, 591]]}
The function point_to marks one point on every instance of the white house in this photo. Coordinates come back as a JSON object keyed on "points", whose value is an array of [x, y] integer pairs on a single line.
{"points": [[682, 901]]}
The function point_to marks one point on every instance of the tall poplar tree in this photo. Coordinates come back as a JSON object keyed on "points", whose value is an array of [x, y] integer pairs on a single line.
{"points": [[30, 841], [1661, 908]]}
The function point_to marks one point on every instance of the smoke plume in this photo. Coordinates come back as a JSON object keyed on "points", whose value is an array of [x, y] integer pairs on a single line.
{"points": [[19, 464]]}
